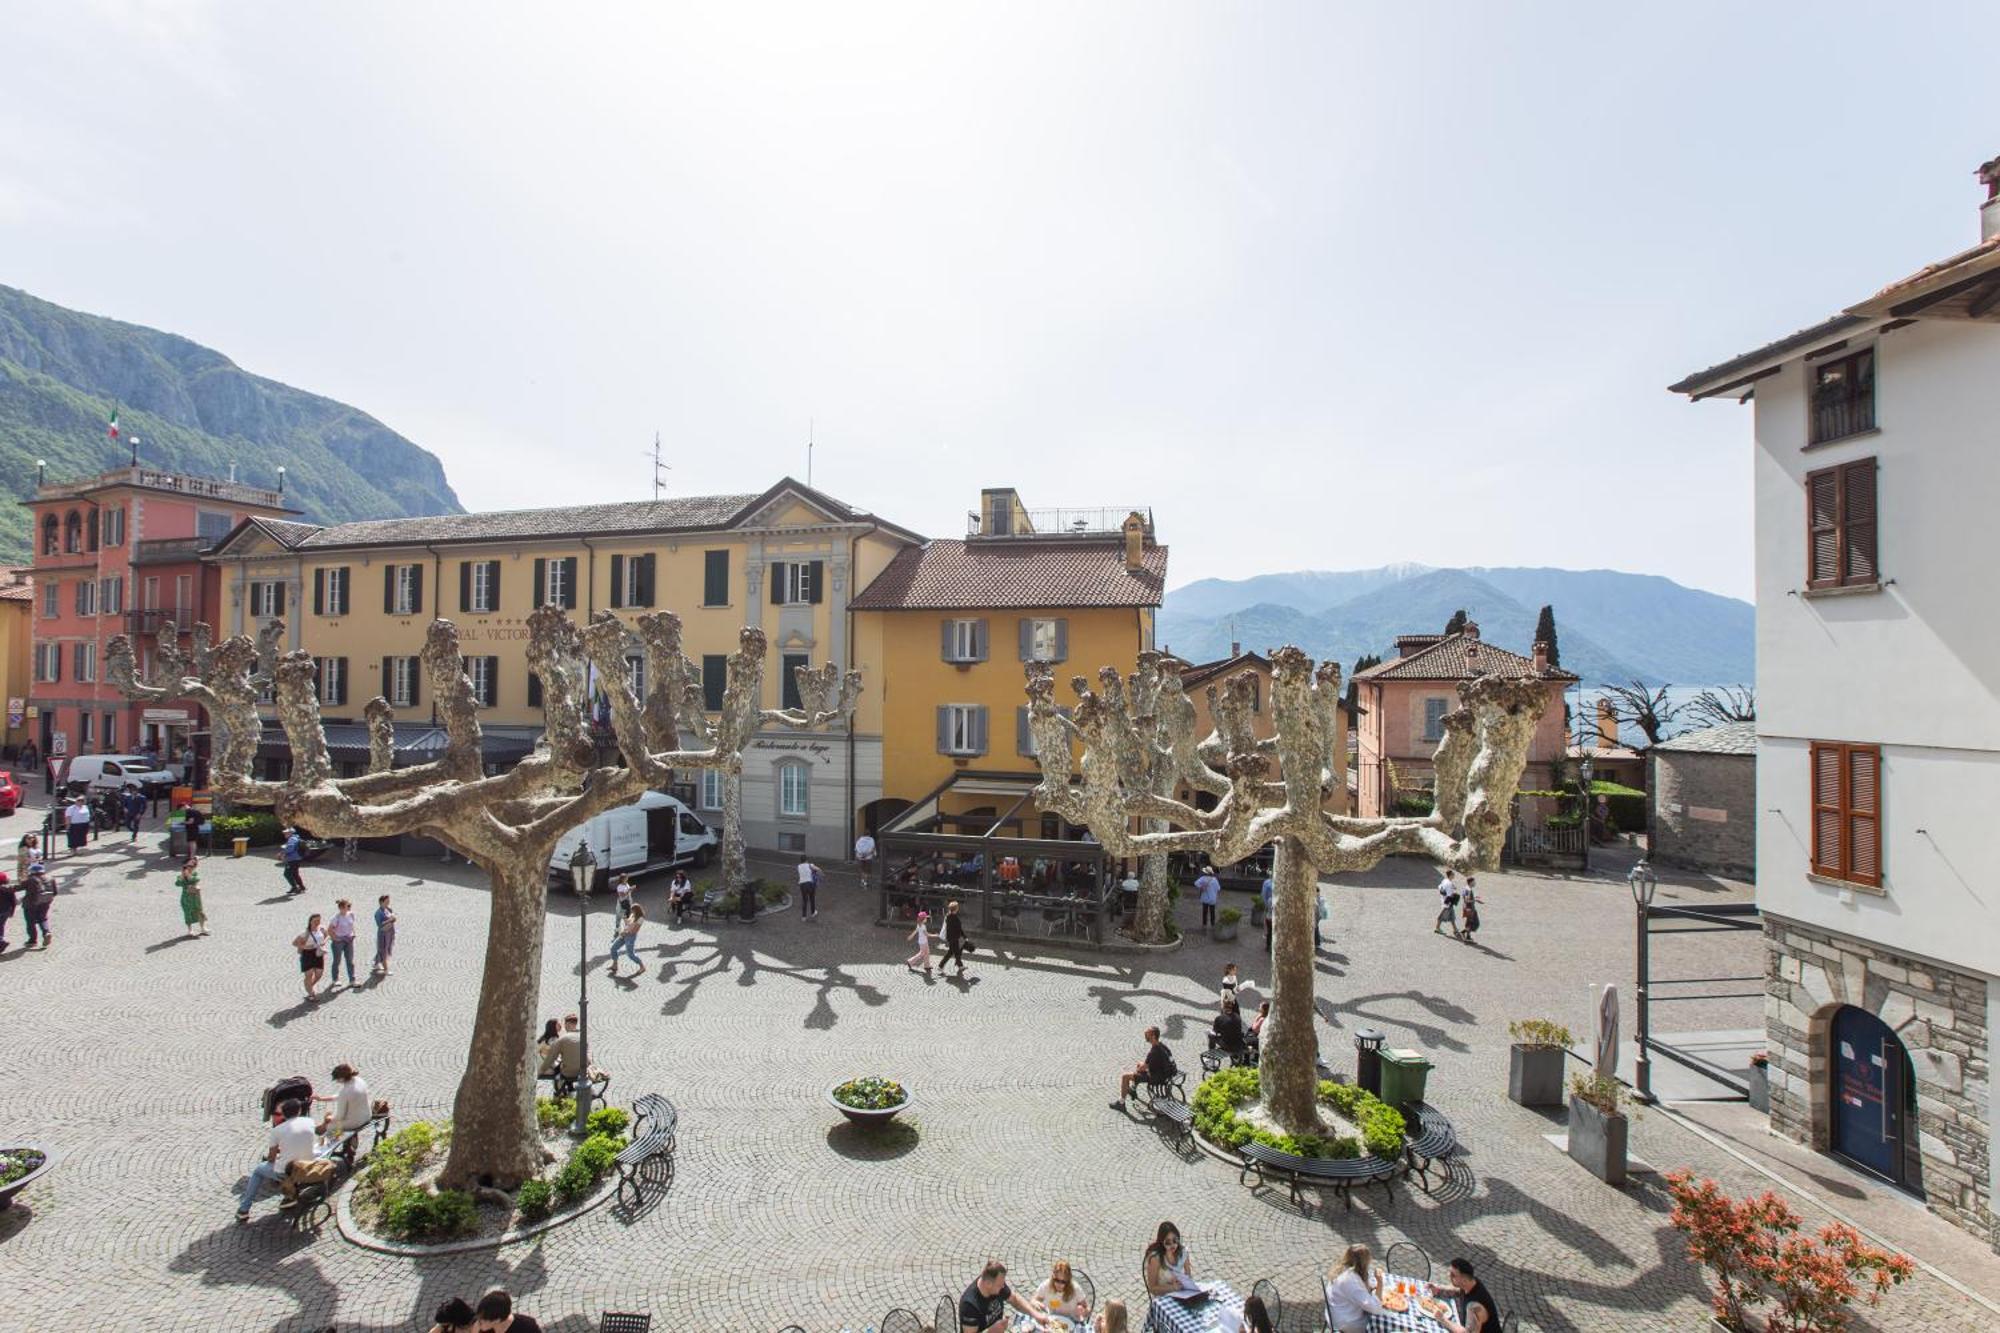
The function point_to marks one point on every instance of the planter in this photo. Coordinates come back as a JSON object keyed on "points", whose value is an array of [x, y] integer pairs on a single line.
{"points": [[1597, 1141], [13, 1187], [1759, 1082], [1224, 930], [1535, 1075], [1257, 912], [867, 1116]]}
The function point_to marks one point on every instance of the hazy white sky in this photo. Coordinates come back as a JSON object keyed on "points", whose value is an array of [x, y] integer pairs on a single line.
{"points": [[1327, 286]]}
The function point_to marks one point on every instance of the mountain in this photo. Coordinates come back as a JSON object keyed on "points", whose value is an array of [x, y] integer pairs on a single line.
{"points": [[195, 411], [1610, 626]]}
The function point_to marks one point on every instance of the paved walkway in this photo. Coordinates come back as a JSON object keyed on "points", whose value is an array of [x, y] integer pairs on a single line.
{"points": [[140, 1055]]}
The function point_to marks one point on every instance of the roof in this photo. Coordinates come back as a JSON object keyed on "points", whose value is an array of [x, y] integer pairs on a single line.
{"points": [[949, 575], [1200, 673], [1702, 383], [1461, 656], [1729, 738], [17, 584], [287, 534]]}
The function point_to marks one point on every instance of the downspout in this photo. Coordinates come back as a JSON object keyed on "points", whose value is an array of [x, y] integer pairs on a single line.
{"points": [[853, 551], [437, 591]]}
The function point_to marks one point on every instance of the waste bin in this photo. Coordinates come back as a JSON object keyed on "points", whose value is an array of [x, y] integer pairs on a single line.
{"points": [[177, 839], [746, 902], [239, 846], [1403, 1077], [1368, 1060]]}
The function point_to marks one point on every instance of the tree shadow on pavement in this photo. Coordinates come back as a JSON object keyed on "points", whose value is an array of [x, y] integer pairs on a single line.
{"points": [[1361, 1007], [738, 954]]}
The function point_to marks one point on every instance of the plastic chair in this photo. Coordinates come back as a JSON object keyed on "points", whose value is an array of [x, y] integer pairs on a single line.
{"points": [[1407, 1259], [1266, 1291], [611, 1321], [902, 1321]]}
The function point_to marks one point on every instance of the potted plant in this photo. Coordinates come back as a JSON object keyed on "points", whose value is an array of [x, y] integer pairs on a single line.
{"points": [[1257, 910], [1535, 1066], [1598, 1125], [870, 1100], [19, 1166], [1226, 922], [1758, 1080]]}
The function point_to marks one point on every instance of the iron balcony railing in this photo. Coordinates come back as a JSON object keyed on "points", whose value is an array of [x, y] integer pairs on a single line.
{"points": [[208, 488], [164, 550], [1094, 522], [162, 620]]}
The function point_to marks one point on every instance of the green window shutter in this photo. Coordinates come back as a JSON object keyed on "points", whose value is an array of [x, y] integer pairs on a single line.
{"points": [[416, 590], [493, 584], [534, 690], [389, 589], [465, 585], [389, 679], [816, 582], [645, 588], [617, 581], [492, 681], [714, 680], [319, 592], [541, 580], [569, 582], [715, 578]]}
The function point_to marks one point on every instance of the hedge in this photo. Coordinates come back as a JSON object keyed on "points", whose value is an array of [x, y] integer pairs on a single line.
{"points": [[1215, 1118], [261, 829]]}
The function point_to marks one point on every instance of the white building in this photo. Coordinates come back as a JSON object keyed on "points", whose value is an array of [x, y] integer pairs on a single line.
{"points": [[1878, 690]]}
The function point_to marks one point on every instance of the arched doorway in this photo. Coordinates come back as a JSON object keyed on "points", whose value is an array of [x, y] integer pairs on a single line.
{"points": [[1872, 1095], [877, 813]]}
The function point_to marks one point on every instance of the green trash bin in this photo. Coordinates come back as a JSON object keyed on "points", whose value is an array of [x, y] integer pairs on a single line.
{"points": [[1403, 1076]]}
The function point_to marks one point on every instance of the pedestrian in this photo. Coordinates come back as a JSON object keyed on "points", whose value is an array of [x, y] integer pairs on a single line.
{"points": [[680, 893], [454, 1316], [1210, 889], [189, 883], [864, 851], [922, 935], [293, 854], [627, 942], [26, 854], [350, 849], [195, 825], [77, 817], [8, 900], [1270, 892], [311, 945], [808, 889], [36, 894], [954, 938], [340, 933], [385, 935], [133, 806], [1320, 913], [1447, 905], [496, 1315], [1468, 911], [622, 888], [1228, 996]]}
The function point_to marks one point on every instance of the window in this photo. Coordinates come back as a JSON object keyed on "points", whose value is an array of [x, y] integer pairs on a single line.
{"points": [[111, 731], [72, 532], [961, 729], [149, 593], [48, 663], [51, 595], [479, 585], [184, 592], [714, 680], [631, 580], [1840, 526], [797, 582], [90, 531], [1044, 640], [484, 673], [332, 587], [788, 680], [794, 789], [1843, 396], [211, 526], [1024, 732], [400, 676], [51, 535], [114, 527], [791, 842], [715, 578], [555, 582], [1847, 811], [86, 661], [332, 672], [83, 737], [267, 598], [635, 676], [711, 789], [86, 597], [111, 595], [1434, 711], [403, 590], [964, 641]]}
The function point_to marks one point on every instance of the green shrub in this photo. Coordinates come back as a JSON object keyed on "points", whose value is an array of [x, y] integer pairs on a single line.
{"points": [[411, 1212], [1415, 803], [261, 829], [535, 1198], [1541, 1033], [597, 1153], [399, 1157], [1215, 1118], [554, 1112], [611, 1120], [574, 1180], [1228, 916]]}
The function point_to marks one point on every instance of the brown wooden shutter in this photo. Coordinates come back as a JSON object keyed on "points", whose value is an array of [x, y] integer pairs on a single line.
{"points": [[1857, 522], [617, 581], [1864, 807], [1827, 809], [465, 585], [541, 580], [1823, 528], [319, 592]]}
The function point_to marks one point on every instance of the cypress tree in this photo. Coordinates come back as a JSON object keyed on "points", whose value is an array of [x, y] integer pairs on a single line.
{"points": [[1545, 632]]}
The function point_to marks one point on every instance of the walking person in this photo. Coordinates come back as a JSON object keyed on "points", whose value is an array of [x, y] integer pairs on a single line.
{"points": [[1320, 913], [189, 883], [294, 856], [385, 935], [311, 945], [1447, 905], [1468, 911], [1210, 889], [9, 899], [627, 942], [26, 854], [808, 889], [922, 935], [36, 894], [77, 820], [954, 938], [133, 806], [1270, 892], [622, 888], [340, 933]]}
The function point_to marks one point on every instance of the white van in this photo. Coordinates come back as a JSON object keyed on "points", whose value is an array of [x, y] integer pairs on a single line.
{"points": [[110, 772], [654, 832]]}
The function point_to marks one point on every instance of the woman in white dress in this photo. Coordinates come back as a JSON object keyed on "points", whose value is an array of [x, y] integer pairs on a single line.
{"points": [[922, 935]]}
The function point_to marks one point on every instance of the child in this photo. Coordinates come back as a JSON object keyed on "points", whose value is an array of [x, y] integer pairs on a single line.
{"points": [[1228, 983], [922, 935]]}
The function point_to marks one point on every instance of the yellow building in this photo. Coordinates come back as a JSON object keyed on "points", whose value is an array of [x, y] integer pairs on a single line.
{"points": [[359, 596], [17, 604]]}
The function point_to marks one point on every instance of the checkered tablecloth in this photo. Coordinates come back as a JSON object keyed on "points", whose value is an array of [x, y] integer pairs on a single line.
{"points": [[1172, 1316], [1412, 1320]]}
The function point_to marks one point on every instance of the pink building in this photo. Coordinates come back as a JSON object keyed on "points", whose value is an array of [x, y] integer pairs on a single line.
{"points": [[1403, 702], [120, 553]]}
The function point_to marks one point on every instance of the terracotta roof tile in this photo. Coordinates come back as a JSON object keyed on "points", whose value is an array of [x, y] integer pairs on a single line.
{"points": [[1729, 738], [1461, 657], [697, 511], [948, 575]]}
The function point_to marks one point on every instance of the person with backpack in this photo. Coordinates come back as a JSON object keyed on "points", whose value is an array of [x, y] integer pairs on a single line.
{"points": [[132, 805], [36, 894], [1468, 912], [1447, 905], [294, 856]]}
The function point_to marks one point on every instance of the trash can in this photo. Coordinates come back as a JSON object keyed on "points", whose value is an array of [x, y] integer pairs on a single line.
{"points": [[1368, 1060], [177, 839], [1403, 1077], [746, 902], [240, 846]]}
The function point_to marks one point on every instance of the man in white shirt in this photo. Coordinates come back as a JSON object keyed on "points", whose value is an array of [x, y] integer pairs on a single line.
{"points": [[808, 889], [292, 1140], [864, 850]]}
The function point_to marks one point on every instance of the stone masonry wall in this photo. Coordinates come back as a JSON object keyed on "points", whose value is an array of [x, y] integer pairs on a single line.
{"points": [[1940, 1016], [1704, 813]]}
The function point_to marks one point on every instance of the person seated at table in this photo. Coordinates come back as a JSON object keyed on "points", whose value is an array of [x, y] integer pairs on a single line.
{"points": [[545, 1048], [454, 1316], [680, 895], [1166, 1266], [351, 1108], [1474, 1301], [1257, 1023], [1354, 1291], [1059, 1295], [1111, 1319], [1256, 1318], [983, 1306], [1227, 1033], [1157, 1067]]}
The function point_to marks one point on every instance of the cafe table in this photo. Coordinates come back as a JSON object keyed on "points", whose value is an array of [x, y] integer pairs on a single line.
{"points": [[1222, 1312], [1412, 1320]]}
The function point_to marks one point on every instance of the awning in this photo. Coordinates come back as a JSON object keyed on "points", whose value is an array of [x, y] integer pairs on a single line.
{"points": [[416, 743]]}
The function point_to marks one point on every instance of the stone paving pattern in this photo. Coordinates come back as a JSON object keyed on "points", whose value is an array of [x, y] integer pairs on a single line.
{"points": [[140, 1056]]}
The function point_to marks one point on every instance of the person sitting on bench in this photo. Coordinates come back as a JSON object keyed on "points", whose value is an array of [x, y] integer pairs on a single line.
{"points": [[293, 1140], [1157, 1067]]}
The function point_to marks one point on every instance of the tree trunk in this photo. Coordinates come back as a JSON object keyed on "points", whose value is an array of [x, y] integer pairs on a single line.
{"points": [[1288, 1068], [1149, 921], [494, 1135], [735, 864]]}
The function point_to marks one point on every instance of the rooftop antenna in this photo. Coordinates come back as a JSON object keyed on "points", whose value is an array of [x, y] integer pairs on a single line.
{"points": [[809, 451], [659, 482]]}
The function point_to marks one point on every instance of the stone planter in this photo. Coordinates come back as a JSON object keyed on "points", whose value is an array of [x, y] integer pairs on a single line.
{"points": [[1759, 1082], [1597, 1141], [863, 1116], [13, 1187], [1257, 911], [1535, 1075], [1224, 930]]}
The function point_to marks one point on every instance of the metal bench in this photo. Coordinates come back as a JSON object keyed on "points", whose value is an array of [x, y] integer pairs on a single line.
{"points": [[1340, 1174], [1174, 1118], [649, 1157], [707, 905], [1433, 1141]]}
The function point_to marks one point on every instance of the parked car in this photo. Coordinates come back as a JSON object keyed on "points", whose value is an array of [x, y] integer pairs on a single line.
{"points": [[654, 832], [110, 772], [10, 793]]}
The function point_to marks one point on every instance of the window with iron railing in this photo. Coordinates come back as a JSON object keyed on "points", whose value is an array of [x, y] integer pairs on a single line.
{"points": [[1843, 397]]}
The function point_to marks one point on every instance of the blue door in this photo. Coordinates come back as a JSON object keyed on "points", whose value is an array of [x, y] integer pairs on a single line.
{"points": [[1869, 1083]]}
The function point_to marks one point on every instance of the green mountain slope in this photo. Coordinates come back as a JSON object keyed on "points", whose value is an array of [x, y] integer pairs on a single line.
{"points": [[195, 411]]}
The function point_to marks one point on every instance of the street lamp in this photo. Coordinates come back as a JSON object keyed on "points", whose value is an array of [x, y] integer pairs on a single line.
{"points": [[1584, 768], [583, 878], [1643, 883]]}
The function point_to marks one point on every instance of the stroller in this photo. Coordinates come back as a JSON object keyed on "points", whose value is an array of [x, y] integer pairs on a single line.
{"points": [[309, 1188]]}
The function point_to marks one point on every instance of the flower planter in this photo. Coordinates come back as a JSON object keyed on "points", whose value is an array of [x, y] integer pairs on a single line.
{"points": [[1535, 1075], [1597, 1141], [1257, 912], [1759, 1082], [13, 1187], [862, 1115], [1224, 930]]}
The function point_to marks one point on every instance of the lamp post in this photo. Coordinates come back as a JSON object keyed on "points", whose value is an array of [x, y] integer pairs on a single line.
{"points": [[1584, 768], [583, 878], [1643, 882]]}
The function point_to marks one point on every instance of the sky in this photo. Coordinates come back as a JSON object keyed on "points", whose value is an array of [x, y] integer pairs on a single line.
{"points": [[1324, 286]]}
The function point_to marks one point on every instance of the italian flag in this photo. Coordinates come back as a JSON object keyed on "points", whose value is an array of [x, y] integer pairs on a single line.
{"points": [[111, 426]]}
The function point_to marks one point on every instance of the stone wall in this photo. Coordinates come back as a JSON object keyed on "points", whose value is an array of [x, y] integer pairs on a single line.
{"points": [[1704, 811], [1939, 1014]]}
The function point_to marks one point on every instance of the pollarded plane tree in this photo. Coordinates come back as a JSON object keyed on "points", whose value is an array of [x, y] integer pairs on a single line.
{"points": [[1273, 792], [510, 823]]}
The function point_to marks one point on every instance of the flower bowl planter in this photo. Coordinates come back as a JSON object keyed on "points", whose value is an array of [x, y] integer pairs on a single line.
{"points": [[1597, 1141], [13, 1187], [862, 1115], [1535, 1075]]}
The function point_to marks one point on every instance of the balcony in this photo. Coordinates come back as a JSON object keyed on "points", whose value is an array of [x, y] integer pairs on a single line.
{"points": [[167, 620], [204, 488], [1008, 523], [171, 550]]}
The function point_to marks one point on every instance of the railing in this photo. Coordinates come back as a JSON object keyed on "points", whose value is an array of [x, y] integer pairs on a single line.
{"points": [[1534, 843], [166, 620], [1098, 522], [162, 550], [207, 488], [1843, 398]]}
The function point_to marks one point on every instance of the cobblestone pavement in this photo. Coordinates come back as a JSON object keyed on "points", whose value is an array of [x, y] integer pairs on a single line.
{"points": [[139, 1055]]}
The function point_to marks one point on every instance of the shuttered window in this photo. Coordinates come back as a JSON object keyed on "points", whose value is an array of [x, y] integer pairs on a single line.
{"points": [[555, 582], [631, 580], [403, 590], [1840, 526], [1434, 711], [330, 590], [963, 641], [714, 679], [332, 680], [961, 729], [484, 673], [1847, 811], [797, 582], [1843, 396], [1044, 640], [715, 578], [400, 680], [479, 585], [788, 680]]}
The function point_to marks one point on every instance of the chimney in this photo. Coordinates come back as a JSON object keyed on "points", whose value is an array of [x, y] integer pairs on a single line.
{"points": [[1235, 648], [1135, 542], [1989, 212], [1541, 657], [1607, 724], [1471, 631]]}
